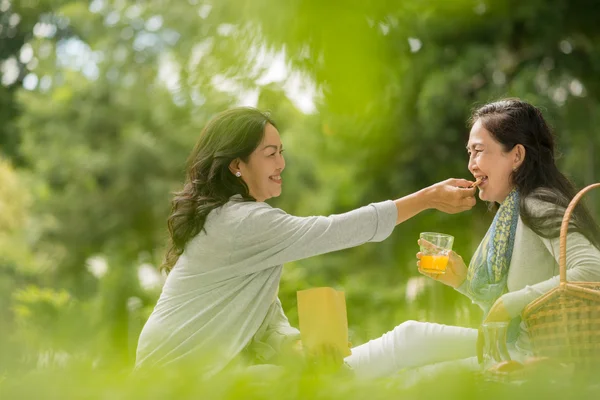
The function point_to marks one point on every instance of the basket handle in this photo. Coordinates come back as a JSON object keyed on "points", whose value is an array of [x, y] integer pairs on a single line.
{"points": [[562, 261]]}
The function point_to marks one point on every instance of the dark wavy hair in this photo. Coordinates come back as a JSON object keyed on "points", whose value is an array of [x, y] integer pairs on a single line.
{"points": [[209, 183], [512, 122]]}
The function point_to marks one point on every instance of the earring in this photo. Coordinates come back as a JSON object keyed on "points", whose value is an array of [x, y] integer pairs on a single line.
{"points": [[238, 174]]}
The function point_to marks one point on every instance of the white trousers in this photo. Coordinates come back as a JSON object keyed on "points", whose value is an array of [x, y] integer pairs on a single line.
{"points": [[412, 344]]}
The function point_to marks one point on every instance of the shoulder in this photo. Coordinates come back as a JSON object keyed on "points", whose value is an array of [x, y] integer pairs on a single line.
{"points": [[237, 204], [234, 210], [239, 211]]}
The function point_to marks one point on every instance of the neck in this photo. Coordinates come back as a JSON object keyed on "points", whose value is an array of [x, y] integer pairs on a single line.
{"points": [[507, 194]]}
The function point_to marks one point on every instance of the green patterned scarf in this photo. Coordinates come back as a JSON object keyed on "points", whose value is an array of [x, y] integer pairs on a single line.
{"points": [[488, 270]]}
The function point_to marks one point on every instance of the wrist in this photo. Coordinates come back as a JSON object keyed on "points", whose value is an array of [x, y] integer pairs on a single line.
{"points": [[425, 197]]}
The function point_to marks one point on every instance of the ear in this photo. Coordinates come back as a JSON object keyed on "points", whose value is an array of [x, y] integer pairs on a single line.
{"points": [[519, 156], [234, 166]]}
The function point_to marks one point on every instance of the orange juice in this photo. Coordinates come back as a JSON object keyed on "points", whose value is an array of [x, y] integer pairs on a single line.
{"points": [[434, 263]]}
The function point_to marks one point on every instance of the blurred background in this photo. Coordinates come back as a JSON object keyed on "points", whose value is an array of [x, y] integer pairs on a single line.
{"points": [[101, 102]]}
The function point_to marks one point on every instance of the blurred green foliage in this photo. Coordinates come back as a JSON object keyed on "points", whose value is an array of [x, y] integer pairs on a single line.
{"points": [[102, 101]]}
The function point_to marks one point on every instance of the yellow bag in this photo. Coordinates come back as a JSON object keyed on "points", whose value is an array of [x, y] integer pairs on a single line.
{"points": [[323, 320]]}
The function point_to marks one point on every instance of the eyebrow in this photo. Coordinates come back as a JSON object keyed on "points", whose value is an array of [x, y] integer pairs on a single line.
{"points": [[271, 145]]}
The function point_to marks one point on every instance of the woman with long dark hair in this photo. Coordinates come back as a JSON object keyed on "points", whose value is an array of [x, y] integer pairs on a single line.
{"points": [[512, 153], [227, 247]]}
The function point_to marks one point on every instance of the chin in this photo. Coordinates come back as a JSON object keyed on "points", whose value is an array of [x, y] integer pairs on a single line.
{"points": [[482, 196], [272, 196]]}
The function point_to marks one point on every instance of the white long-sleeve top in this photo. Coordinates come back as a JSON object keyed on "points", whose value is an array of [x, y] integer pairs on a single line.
{"points": [[222, 291]]}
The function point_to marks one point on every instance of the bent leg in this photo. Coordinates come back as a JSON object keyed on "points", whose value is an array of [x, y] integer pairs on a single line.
{"points": [[412, 344]]}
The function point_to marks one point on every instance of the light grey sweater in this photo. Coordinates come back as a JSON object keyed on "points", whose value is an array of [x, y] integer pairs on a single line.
{"points": [[534, 271], [221, 296]]}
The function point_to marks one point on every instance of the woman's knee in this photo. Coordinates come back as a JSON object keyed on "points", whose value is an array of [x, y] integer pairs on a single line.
{"points": [[409, 328]]}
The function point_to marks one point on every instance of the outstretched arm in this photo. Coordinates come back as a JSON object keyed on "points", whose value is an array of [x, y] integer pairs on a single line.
{"points": [[268, 236]]}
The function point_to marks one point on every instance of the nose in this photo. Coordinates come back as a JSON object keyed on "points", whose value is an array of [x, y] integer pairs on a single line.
{"points": [[472, 166], [281, 162]]}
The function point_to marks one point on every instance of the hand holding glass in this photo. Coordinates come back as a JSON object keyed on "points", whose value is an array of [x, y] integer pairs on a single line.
{"points": [[435, 248]]}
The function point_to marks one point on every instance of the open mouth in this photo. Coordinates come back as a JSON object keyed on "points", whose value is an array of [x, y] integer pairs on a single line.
{"points": [[276, 178], [480, 181]]}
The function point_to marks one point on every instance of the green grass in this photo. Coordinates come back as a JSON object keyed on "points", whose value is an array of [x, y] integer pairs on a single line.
{"points": [[84, 382]]}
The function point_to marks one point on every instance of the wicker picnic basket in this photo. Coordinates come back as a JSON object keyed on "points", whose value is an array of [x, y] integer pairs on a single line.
{"points": [[564, 324]]}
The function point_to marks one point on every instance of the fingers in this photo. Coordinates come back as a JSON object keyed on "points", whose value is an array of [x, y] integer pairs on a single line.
{"points": [[465, 199], [461, 183], [429, 274], [454, 255], [453, 196], [467, 192], [469, 201], [462, 196]]}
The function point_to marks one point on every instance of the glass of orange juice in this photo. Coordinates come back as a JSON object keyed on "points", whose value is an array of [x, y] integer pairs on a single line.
{"points": [[434, 256]]}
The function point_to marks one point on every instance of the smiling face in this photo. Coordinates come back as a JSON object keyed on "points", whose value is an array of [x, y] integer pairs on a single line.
{"points": [[262, 172], [489, 161]]}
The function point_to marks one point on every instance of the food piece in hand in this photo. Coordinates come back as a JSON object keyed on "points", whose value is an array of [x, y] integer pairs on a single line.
{"points": [[477, 182]]}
